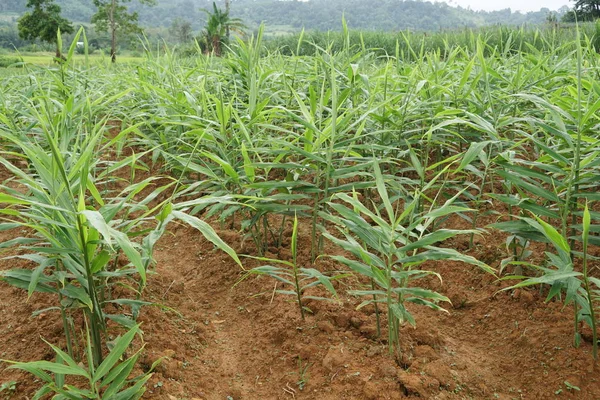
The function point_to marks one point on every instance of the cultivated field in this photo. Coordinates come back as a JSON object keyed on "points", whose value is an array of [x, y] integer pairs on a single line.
{"points": [[350, 224]]}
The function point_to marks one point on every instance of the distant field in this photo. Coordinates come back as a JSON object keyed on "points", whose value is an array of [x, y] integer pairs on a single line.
{"points": [[47, 59], [279, 30], [10, 17]]}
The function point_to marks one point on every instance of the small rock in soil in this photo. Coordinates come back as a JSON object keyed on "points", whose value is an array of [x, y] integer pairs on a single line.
{"points": [[459, 299], [527, 297]]}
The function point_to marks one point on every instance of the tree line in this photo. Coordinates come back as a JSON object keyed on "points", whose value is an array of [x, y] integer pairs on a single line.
{"points": [[44, 21], [182, 17], [312, 15]]}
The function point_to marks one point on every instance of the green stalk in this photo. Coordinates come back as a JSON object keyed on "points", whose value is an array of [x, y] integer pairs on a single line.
{"points": [[392, 320], [95, 314], [573, 188], [295, 266], [393, 323], [577, 337], [377, 316], [265, 233], [577, 164], [570, 206], [282, 228], [479, 196], [586, 280], [66, 326], [63, 316], [328, 167]]}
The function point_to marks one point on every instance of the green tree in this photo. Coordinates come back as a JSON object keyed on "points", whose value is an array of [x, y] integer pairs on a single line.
{"points": [[218, 26], [227, 9], [584, 10], [181, 30], [43, 23], [114, 17]]}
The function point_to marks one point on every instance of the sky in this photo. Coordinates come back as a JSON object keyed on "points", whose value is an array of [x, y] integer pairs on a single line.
{"points": [[521, 5]]}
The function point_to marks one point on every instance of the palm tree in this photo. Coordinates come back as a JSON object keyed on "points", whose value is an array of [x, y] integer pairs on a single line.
{"points": [[587, 9], [217, 29], [227, 8]]}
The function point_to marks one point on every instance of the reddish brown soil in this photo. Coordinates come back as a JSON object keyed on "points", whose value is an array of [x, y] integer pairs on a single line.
{"points": [[244, 343]]}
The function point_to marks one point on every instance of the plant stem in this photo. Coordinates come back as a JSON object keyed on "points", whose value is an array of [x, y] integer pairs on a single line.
{"points": [[96, 312], [586, 281], [377, 316], [295, 265]]}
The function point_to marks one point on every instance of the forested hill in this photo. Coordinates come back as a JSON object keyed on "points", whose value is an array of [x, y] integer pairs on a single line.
{"points": [[313, 14]]}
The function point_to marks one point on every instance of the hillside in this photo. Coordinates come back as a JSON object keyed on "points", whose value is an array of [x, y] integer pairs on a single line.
{"points": [[314, 14]]}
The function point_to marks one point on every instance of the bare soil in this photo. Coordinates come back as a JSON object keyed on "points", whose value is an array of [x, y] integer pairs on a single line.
{"points": [[224, 342]]}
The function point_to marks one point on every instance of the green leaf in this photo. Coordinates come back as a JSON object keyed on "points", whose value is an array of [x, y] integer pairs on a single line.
{"points": [[97, 221], [43, 391], [294, 245], [61, 358], [558, 240], [21, 278], [100, 261], [134, 392], [132, 254], [209, 233], [248, 168], [429, 239], [8, 199], [115, 354], [117, 377], [229, 170], [54, 368], [381, 189], [587, 221], [322, 279], [36, 275], [78, 293]]}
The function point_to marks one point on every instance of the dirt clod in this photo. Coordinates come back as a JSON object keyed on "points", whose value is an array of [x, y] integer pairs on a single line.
{"points": [[410, 384], [335, 358], [326, 326]]}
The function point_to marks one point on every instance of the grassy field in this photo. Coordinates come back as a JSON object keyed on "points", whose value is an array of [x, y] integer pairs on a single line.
{"points": [[47, 59], [447, 185]]}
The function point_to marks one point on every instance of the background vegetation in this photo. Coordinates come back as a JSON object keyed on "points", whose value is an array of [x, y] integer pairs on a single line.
{"points": [[280, 17]]}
